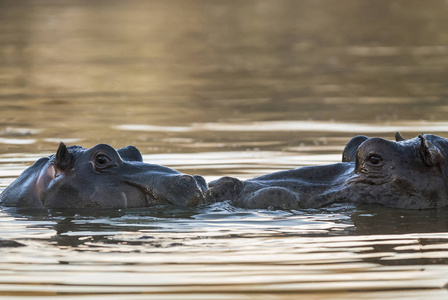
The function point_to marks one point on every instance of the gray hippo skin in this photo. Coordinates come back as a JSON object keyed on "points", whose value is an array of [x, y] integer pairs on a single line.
{"points": [[408, 174], [101, 177]]}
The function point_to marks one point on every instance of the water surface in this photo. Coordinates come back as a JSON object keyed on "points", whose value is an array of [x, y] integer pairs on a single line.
{"points": [[239, 88]]}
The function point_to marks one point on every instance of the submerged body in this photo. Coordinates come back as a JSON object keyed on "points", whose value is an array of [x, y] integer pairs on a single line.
{"points": [[101, 177], [409, 174]]}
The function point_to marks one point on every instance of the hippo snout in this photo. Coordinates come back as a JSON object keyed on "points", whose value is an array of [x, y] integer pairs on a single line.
{"points": [[225, 188], [163, 185], [175, 189], [193, 182], [189, 190]]}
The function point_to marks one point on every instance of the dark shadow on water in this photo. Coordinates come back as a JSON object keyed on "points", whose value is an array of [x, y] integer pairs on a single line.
{"points": [[377, 220]]}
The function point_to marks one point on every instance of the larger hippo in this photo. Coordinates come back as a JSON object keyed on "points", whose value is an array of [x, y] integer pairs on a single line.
{"points": [[409, 174], [101, 177]]}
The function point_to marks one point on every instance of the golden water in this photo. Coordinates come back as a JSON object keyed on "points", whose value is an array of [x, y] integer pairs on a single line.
{"points": [[216, 88]]}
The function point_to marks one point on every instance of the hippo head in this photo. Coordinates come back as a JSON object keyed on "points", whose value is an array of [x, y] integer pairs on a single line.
{"points": [[410, 174], [102, 177]]}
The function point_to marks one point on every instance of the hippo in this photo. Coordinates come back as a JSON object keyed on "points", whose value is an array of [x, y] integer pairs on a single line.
{"points": [[101, 177], [407, 174]]}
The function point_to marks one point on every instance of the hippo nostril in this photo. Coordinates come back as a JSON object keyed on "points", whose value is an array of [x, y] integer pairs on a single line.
{"points": [[187, 182], [187, 178]]}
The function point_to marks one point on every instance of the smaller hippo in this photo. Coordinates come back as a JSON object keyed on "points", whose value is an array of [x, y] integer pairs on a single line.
{"points": [[101, 177], [409, 174]]}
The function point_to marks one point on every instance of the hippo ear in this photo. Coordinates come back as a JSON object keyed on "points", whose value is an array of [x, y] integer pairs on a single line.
{"points": [[130, 153], [63, 158], [399, 137], [430, 154], [349, 153]]}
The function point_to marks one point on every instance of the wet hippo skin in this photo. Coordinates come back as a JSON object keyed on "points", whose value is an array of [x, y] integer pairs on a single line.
{"points": [[409, 174], [101, 177]]}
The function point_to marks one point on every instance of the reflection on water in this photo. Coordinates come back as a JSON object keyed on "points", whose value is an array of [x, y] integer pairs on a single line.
{"points": [[217, 88], [221, 249]]}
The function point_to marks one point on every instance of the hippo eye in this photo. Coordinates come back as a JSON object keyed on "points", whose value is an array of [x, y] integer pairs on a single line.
{"points": [[375, 159], [101, 161]]}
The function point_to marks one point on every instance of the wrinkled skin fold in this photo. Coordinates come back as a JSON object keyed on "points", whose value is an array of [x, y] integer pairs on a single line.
{"points": [[408, 174], [101, 177]]}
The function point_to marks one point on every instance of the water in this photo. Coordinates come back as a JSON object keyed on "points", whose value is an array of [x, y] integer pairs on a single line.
{"points": [[239, 88]]}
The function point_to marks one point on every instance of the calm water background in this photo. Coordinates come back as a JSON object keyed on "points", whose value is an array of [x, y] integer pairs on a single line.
{"points": [[217, 88]]}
